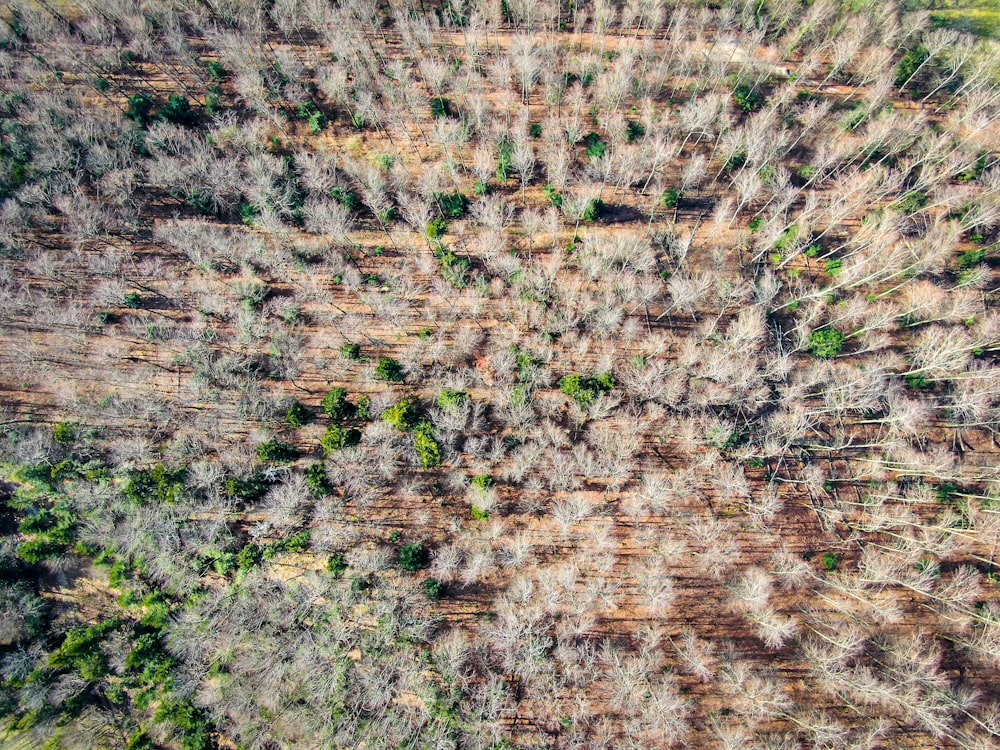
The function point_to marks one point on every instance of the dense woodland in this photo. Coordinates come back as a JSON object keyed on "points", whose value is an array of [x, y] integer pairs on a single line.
{"points": [[497, 374]]}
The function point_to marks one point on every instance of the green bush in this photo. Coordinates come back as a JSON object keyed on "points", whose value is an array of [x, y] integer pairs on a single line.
{"points": [[910, 63], [593, 209], [318, 481], [669, 198], [389, 370], [402, 415], [437, 227], [317, 122], [504, 153], [826, 342], [363, 410], [428, 448], [40, 548], [337, 438], [554, 196], [452, 205], [161, 484], [133, 300], [746, 97], [346, 198], [250, 556], [585, 390], [64, 433], [972, 257], [336, 565], [335, 404], [249, 488], [413, 557], [295, 543], [351, 351], [81, 649], [216, 70], [275, 450], [595, 146], [139, 107], [434, 589], [178, 111], [298, 415], [830, 561], [482, 481], [440, 107], [450, 400]]}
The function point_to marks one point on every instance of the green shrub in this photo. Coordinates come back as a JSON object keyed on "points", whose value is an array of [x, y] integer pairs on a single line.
{"points": [[298, 415], [535, 130], [318, 481], [178, 111], [363, 410], [747, 98], [450, 400], [593, 209], [440, 107], [161, 484], [216, 70], [910, 63], [250, 556], [336, 565], [335, 404], [389, 370], [413, 557], [351, 351], [434, 589], [317, 122], [585, 390], [275, 450], [133, 300], [437, 227], [505, 151], [482, 481], [139, 107], [830, 561], [40, 548], [595, 146], [249, 488], [428, 448], [452, 205], [337, 438], [669, 198], [64, 433], [295, 543], [346, 198], [196, 730], [554, 196], [248, 213], [826, 342], [481, 187], [454, 269], [81, 649], [834, 266], [972, 257], [635, 130], [402, 415]]}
